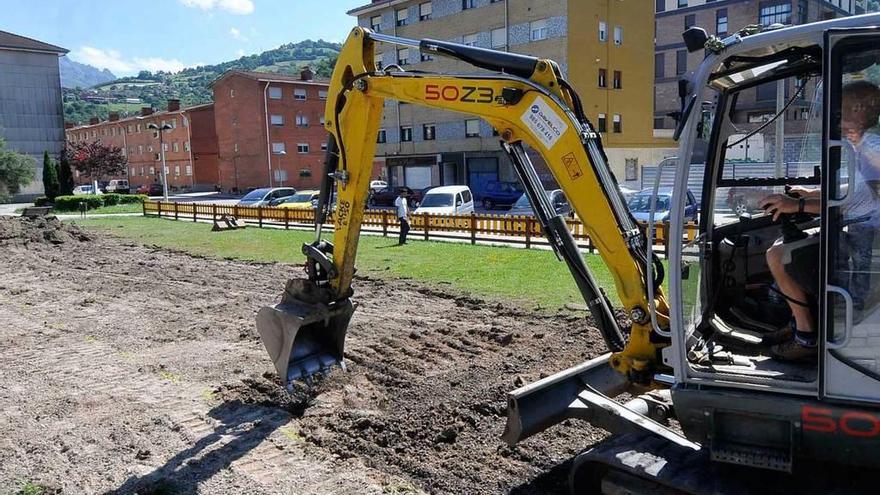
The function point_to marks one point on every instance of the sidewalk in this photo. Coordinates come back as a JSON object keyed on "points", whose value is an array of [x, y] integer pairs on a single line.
{"points": [[9, 209]]}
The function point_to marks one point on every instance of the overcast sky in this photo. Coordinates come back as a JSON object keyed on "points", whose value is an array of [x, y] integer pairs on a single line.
{"points": [[128, 36]]}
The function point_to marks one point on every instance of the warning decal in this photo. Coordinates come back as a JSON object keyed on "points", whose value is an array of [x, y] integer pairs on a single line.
{"points": [[572, 166], [544, 122]]}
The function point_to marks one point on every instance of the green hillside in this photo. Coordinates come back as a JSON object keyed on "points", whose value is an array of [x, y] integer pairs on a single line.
{"points": [[191, 85]]}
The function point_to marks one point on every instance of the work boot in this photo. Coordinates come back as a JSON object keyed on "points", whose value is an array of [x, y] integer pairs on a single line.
{"points": [[784, 334], [801, 348]]}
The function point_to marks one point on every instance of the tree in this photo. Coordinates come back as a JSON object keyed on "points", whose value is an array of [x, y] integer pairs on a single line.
{"points": [[16, 171], [65, 174], [50, 177], [97, 160]]}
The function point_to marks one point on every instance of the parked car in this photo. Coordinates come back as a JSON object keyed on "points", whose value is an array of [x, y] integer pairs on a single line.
{"points": [[85, 189], [278, 201], [745, 200], [150, 189], [560, 204], [498, 193], [447, 200], [387, 196], [640, 205], [118, 186], [378, 185], [263, 195], [627, 192], [302, 200]]}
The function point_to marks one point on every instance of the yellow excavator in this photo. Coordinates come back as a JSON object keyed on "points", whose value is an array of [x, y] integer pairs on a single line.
{"points": [[696, 354]]}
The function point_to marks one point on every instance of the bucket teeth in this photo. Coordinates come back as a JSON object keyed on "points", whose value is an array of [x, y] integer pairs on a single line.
{"points": [[304, 337]]}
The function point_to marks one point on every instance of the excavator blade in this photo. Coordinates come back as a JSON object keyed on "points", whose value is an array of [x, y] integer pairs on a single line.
{"points": [[304, 336]]}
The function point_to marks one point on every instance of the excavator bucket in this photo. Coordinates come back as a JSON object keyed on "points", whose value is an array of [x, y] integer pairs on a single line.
{"points": [[304, 336]]}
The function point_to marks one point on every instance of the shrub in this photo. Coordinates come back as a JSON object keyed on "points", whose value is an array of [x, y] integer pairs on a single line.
{"points": [[71, 203], [111, 199], [42, 201], [125, 199]]}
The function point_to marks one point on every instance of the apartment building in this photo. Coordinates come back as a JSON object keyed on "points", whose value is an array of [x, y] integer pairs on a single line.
{"points": [[190, 145], [724, 17], [270, 129], [600, 45], [31, 113]]}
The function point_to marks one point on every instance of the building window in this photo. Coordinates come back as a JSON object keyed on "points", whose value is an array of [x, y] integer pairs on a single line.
{"points": [[539, 30], [130, 128], [617, 81], [276, 119], [470, 40], [322, 94], [177, 170], [803, 12], [277, 148], [425, 57], [378, 61], [299, 94], [274, 92], [302, 148], [133, 171], [164, 146], [321, 120], [617, 126], [402, 56], [425, 11], [681, 62], [235, 147], [302, 120], [499, 37], [406, 134], [152, 170], [149, 148], [185, 122], [323, 145], [603, 31], [428, 132], [721, 21], [232, 93], [659, 65], [138, 128], [382, 137], [775, 11], [682, 4], [189, 169], [468, 4], [690, 20], [472, 128], [175, 147], [401, 15], [618, 35], [186, 146], [602, 123], [174, 123], [376, 23], [660, 6], [140, 149], [603, 78]]}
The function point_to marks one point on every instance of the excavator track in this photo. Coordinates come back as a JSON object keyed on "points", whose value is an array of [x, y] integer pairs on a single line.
{"points": [[641, 463]]}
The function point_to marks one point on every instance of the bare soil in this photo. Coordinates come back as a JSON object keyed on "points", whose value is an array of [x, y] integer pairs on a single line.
{"points": [[132, 369]]}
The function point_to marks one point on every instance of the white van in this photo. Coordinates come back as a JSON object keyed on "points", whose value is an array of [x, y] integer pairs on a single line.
{"points": [[447, 200], [119, 186]]}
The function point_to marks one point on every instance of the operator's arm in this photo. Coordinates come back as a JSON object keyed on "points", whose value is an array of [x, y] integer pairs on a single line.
{"points": [[779, 204]]}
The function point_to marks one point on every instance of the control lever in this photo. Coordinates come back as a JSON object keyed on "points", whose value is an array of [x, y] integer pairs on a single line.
{"points": [[790, 230]]}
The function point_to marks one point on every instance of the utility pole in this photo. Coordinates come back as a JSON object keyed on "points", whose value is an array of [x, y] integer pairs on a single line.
{"points": [[161, 130]]}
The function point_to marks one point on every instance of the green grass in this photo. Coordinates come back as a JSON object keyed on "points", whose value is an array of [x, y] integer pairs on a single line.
{"points": [[129, 208], [528, 276]]}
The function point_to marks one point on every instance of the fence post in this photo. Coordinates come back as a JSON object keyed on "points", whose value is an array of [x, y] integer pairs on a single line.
{"points": [[260, 216], [427, 218], [195, 208], [473, 227], [214, 212], [286, 218], [159, 206], [144, 207], [175, 210], [235, 211], [384, 223], [528, 232]]}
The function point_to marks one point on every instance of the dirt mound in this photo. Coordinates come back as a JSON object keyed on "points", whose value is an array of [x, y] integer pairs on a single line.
{"points": [[39, 230]]}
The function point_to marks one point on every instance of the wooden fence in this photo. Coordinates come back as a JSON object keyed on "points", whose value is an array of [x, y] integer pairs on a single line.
{"points": [[483, 227]]}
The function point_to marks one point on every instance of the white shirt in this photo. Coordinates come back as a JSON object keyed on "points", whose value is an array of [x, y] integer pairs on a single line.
{"points": [[402, 207]]}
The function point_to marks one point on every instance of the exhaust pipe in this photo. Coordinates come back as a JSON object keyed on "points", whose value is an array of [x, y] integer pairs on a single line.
{"points": [[303, 334]]}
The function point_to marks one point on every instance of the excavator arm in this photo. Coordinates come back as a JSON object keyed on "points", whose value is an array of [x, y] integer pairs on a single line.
{"points": [[529, 103]]}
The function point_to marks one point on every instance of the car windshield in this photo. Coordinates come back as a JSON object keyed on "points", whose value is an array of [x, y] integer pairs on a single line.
{"points": [[300, 198], [522, 202], [255, 195], [642, 203], [437, 199]]}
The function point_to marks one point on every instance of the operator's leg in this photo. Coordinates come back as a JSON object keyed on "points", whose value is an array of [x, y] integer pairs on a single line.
{"points": [[803, 317]]}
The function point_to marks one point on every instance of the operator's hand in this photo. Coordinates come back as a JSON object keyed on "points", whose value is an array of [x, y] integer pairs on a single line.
{"points": [[803, 192], [779, 204]]}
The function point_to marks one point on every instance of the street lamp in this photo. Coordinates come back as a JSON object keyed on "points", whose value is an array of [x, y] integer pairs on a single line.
{"points": [[282, 153], [164, 127]]}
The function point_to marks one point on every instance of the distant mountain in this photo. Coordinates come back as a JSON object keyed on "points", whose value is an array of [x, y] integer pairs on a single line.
{"points": [[191, 85], [77, 75]]}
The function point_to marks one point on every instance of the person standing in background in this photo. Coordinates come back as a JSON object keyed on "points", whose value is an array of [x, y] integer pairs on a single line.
{"points": [[402, 214]]}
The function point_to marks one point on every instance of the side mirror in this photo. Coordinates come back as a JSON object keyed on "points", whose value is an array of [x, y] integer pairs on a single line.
{"points": [[457, 202]]}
